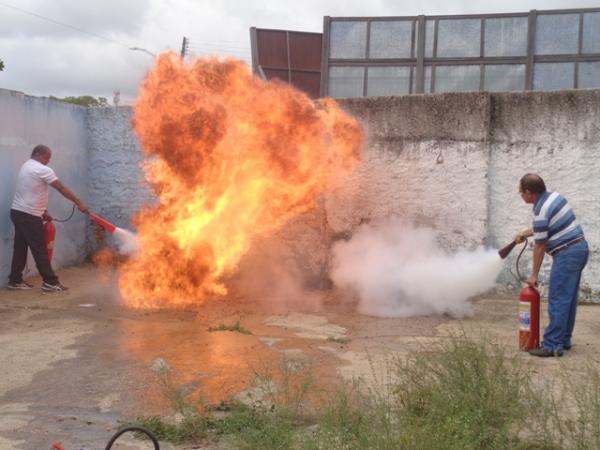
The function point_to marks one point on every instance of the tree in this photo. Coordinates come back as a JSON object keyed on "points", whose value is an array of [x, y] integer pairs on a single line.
{"points": [[1, 65], [83, 100]]}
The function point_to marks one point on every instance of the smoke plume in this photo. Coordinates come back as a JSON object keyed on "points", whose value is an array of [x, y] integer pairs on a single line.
{"points": [[397, 270], [127, 242]]}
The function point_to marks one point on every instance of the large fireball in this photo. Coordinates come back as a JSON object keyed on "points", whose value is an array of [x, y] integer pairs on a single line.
{"points": [[231, 157]]}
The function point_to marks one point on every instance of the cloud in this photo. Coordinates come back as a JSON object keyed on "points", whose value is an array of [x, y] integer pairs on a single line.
{"points": [[80, 68], [107, 17], [44, 58]]}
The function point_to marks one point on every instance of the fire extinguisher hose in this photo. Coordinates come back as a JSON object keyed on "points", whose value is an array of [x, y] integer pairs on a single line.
{"points": [[68, 218], [519, 277]]}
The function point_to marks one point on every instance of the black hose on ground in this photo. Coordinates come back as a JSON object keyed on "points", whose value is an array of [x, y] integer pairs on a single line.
{"points": [[134, 429]]}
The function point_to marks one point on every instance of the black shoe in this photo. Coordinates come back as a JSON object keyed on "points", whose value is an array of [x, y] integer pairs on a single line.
{"points": [[19, 286], [545, 352], [567, 347], [47, 287]]}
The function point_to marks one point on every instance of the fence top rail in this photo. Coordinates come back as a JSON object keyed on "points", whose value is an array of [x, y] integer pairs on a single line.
{"points": [[466, 16]]}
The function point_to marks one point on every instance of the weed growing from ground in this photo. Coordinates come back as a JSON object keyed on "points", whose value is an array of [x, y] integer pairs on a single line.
{"points": [[571, 413], [464, 394], [192, 427], [460, 394], [236, 328], [259, 428], [338, 340]]}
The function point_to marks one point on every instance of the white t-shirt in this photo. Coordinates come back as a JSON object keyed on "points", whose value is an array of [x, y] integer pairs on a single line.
{"points": [[31, 194]]}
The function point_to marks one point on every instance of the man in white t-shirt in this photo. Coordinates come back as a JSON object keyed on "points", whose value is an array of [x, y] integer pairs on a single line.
{"points": [[28, 211]]}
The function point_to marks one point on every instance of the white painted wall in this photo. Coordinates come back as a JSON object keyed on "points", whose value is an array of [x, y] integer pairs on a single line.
{"points": [[555, 134], [453, 162], [26, 121], [447, 161], [116, 182]]}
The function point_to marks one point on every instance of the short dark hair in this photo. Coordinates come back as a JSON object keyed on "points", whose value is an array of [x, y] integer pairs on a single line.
{"points": [[533, 183], [39, 150]]}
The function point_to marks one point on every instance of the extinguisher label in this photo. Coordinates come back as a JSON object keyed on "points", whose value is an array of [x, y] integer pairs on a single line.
{"points": [[524, 316]]}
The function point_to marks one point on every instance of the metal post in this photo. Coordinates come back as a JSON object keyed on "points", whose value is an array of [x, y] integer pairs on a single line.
{"points": [[325, 57], [254, 49], [530, 50], [289, 59], [420, 84]]}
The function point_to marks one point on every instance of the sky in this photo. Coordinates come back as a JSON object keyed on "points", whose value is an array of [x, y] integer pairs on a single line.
{"points": [[82, 47]]}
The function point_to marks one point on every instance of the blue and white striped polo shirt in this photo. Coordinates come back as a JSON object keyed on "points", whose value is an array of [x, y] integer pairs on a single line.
{"points": [[554, 221]]}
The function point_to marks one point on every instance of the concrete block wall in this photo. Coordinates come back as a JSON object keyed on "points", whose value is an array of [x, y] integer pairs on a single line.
{"points": [[25, 122], [556, 134], [116, 180], [426, 161], [453, 162], [448, 161]]}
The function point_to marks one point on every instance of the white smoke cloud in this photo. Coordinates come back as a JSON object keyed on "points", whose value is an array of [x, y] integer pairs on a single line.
{"points": [[398, 270], [127, 242]]}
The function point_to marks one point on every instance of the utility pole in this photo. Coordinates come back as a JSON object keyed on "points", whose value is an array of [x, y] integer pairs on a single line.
{"points": [[184, 47]]}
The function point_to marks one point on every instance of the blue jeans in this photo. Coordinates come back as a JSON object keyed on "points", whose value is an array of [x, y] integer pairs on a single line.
{"points": [[562, 296]]}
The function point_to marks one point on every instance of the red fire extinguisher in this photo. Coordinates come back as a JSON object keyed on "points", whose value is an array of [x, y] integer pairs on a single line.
{"points": [[49, 236], [529, 318], [529, 306]]}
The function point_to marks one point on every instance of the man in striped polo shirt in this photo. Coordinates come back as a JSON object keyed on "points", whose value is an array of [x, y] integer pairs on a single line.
{"points": [[556, 232]]}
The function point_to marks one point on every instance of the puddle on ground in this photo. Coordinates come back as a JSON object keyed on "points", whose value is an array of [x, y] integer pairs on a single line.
{"points": [[212, 366]]}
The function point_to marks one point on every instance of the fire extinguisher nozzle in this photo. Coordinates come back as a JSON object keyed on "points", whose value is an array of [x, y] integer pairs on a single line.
{"points": [[103, 222]]}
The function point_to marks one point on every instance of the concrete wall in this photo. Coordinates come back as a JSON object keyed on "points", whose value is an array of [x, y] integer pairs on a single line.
{"points": [[453, 162], [556, 134], [448, 161], [426, 160], [116, 182], [25, 122]]}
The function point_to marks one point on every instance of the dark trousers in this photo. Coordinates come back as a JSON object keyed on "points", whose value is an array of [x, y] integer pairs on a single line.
{"points": [[29, 233]]}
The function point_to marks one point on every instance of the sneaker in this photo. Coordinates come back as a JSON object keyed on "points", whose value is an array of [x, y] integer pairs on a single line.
{"points": [[568, 346], [546, 352], [19, 286], [47, 287]]}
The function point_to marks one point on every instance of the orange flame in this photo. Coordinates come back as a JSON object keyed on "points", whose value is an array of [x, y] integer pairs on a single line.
{"points": [[233, 156]]}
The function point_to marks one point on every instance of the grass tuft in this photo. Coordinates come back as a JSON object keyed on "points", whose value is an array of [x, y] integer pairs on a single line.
{"points": [[461, 394], [338, 340], [190, 427], [236, 328]]}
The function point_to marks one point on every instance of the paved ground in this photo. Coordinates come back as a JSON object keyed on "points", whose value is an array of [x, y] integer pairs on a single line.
{"points": [[74, 364]]}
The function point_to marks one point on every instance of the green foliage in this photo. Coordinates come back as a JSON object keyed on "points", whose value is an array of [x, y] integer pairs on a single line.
{"points": [[571, 414], [338, 340], [1, 65], [236, 327], [348, 421], [462, 394], [84, 100], [192, 427], [465, 395], [258, 428]]}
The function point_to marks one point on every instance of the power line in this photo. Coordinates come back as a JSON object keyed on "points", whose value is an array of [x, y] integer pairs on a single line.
{"points": [[200, 44], [195, 45], [216, 50], [218, 40], [56, 22]]}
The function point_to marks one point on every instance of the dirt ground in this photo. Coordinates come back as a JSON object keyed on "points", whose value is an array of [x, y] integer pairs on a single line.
{"points": [[75, 364]]}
